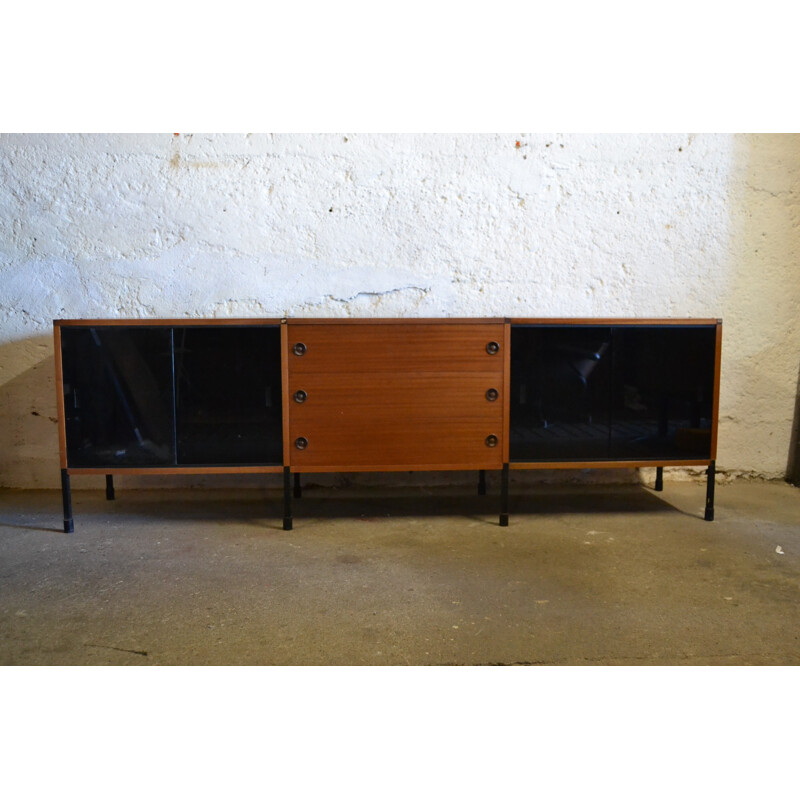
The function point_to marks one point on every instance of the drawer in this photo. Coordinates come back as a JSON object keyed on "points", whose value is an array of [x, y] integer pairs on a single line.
{"points": [[395, 444], [415, 394], [395, 347]]}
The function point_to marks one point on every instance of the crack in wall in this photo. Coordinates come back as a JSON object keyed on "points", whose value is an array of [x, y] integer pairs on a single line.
{"points": [[385, 293], [329, 300]]}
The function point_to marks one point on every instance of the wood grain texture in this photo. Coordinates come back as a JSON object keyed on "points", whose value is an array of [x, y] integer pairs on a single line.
{"points": [[411, 395], [396, 395], [395, 348], [387, 467], [399, 446]]}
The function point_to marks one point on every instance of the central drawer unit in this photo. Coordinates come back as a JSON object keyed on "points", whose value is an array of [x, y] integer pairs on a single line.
{"points": [[402, 396]]}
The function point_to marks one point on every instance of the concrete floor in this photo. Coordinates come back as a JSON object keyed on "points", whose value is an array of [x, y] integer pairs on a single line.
{"points": [[584, 575]]}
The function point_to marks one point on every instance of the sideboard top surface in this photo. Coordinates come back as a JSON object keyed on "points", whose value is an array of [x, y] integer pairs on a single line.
{"points": [[612, 321], [188, 321], [172, 323]]}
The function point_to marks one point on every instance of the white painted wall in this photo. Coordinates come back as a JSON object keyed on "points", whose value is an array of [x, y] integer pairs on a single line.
{"points": [[362, 225]]}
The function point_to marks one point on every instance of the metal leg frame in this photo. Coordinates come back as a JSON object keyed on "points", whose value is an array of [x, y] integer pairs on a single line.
{"points": [[287, 499], [504, 498], [66, 495], [69, 525], [710, 481]]}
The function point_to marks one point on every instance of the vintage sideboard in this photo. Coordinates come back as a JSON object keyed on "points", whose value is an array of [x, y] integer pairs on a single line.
{"points": [[296, 396]]}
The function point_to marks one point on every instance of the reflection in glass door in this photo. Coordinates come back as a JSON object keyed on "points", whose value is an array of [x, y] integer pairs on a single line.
{"points": [[560, 392]]}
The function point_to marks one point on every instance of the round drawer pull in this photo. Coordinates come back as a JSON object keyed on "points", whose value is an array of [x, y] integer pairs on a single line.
{"points": [[300, 396], [301, 442], [492, 348], [299, 349], [492, 395], [491, 440]]}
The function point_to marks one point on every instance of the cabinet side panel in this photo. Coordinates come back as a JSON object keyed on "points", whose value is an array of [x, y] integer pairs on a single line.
{"points": [[62, 432], [506, 395], [717, 379], [287, 451]]}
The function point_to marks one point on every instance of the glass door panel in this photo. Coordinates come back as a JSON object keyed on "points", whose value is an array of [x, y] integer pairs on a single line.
{"points": [[118, 405], [560, 392], [228, 395], [663, 387]]}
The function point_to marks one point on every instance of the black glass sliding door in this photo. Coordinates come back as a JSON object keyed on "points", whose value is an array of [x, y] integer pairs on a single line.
{"points": [[560, 392], [624, 392], [663, 391], [228, 395], [141, 396], [118, 402]]}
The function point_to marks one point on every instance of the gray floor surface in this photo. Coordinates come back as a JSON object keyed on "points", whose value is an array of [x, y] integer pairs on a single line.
{"points": [[584, 575]]}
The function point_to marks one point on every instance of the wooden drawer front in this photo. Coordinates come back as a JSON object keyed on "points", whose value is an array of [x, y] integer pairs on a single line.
{"points": [[411, 421], [395, 347]]}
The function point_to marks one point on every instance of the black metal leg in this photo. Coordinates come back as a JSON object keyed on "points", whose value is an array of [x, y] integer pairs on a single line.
{"points": [[504, 498], [710, 481], [298, 491], [109, 487], [66, 495], [659, 479], [481, 481], [287, 499]]}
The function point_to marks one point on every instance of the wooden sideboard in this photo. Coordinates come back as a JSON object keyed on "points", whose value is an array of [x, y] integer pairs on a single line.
{"points": [[342, 395]]}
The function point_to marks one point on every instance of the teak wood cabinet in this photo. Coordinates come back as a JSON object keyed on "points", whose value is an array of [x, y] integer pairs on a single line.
{"points": [[324, 395]]}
